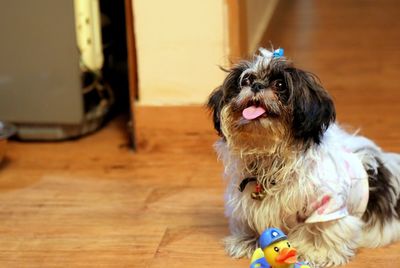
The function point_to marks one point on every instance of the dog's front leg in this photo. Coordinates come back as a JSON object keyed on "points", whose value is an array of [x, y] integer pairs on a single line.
{"points": [[243, 240], [328, 243]]}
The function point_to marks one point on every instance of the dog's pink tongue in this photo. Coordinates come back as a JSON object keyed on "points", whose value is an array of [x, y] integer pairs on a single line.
{"points": [[253, 112]]}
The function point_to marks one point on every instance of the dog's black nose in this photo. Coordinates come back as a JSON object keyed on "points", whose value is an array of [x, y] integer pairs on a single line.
{"points": [[257, 87]]}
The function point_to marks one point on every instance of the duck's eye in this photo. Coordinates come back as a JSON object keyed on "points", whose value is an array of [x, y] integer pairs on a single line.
{"points": [[276, 249], [288, 244]]}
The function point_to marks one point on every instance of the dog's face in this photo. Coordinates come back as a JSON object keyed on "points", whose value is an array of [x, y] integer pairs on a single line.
{"points": [[269, 102]]}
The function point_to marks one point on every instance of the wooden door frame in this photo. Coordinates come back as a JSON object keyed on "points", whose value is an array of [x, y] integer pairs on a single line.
{"points": [[132, 69], [237, 26]]}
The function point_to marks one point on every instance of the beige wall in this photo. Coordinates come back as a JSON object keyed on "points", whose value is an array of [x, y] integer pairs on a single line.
{"points": [[180, 44]]}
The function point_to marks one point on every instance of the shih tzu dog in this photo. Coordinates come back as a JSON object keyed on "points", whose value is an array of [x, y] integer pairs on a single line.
{"points": [[290, 165]]}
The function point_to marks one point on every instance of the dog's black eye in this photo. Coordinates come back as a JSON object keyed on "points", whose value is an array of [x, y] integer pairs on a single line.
{"points": [[279, 85], [247, 80], [280, 88], [276, 249]]}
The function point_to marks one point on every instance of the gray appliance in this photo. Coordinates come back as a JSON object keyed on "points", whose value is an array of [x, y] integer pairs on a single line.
{"points": [[41, 78]]}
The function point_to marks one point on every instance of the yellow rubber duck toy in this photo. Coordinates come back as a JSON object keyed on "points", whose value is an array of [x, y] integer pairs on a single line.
{"points": [[275, 252]]}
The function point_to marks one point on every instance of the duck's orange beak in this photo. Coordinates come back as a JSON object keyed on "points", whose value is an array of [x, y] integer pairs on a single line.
{"points": [[287, 255]]}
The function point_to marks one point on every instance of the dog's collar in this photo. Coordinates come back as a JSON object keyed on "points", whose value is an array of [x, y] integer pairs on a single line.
{"points": [[245, 181], [258, 194]]}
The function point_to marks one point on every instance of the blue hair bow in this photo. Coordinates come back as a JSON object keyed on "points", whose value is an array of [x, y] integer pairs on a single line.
{"points": [[278, 53]]}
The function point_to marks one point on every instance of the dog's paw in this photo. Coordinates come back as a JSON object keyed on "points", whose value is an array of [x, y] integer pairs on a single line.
{"points": [[324, 258], [239, 246], [326, 244]]}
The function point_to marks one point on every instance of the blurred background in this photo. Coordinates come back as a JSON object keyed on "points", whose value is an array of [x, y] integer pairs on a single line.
{"points": [[106, 155], [68, 67], [65, 66]]}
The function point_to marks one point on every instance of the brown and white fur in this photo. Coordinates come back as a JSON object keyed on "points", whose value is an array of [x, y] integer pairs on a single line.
{"points": [[281, 150]]}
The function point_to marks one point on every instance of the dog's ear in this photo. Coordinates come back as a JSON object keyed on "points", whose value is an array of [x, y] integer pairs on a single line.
{"points": [[229, 89], [215, 105], [313, 108]]}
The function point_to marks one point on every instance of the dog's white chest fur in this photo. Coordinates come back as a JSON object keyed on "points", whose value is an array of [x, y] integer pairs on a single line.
{"points": [[325, 183]]}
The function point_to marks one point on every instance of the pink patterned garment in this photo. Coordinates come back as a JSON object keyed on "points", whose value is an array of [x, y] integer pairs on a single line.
{"points": [[341, 187]]}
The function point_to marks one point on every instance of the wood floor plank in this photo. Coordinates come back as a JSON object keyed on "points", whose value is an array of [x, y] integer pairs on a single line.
{"points": [[196, 247], [97, 204], [76, 221]]}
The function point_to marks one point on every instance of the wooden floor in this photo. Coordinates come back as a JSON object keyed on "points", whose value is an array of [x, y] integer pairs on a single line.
{"points": [[94, 203]]}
